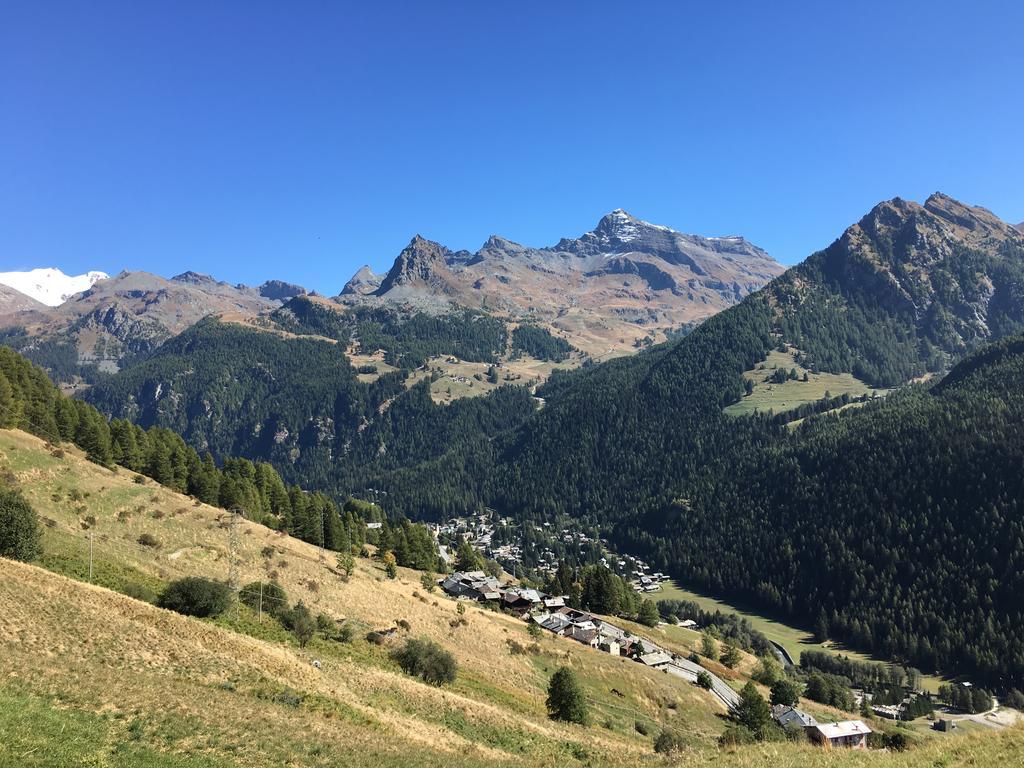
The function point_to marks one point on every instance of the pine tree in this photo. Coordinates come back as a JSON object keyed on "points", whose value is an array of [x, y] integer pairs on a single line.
{"points": [[752, 711], [648, 615], [566, 700]]}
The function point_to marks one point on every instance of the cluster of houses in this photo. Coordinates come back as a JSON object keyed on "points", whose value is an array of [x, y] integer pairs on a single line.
{"points": [[849, 734], [551, 613]]}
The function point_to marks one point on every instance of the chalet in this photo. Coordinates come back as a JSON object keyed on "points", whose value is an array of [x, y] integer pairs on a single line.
{"points": [[849, 734], [791, 719], [519, 598], [553, 603], [585, 635], [655, 660], [475, 585], [609, 646], [688, 624], [557, 623]]}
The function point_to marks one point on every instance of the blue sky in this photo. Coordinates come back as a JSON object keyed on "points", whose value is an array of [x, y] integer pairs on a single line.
{"points": [[300, 140]]}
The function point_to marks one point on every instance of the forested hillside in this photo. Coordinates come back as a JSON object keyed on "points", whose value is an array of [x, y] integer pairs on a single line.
{"points": [[898, 527], [29, 401], [298, 404]]}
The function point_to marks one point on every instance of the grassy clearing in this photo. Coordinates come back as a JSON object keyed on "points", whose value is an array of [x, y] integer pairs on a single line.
{"points": [[767, 396], [458, 379]]}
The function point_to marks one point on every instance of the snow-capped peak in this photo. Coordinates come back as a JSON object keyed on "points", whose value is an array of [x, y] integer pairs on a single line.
{"points": [[49, 285]]}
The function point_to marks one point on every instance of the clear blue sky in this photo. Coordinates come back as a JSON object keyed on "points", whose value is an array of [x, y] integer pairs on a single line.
{"points": [[299, 140]]}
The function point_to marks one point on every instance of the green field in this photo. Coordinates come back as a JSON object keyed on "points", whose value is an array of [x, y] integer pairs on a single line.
{"points": [[792, 394], [793, 639]]}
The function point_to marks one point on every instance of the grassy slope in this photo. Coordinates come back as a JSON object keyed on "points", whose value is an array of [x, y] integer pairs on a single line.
{"points": [[497, 705], [792, 394], [90, 677]]}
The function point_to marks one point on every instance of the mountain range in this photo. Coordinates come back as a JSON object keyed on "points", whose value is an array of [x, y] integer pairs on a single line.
{"points": [[624, 278], [603, 292]]}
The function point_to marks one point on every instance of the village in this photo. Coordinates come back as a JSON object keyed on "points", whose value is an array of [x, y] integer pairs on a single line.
{"points": [[552, 614], [520, 549]]}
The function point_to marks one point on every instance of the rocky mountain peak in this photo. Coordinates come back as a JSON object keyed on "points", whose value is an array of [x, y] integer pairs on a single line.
{"points": [[193, 278], [364, 282], [422, 262], [278, 290]]}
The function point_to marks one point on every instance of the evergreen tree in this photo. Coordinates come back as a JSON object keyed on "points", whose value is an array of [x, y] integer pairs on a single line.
{"points": [[752, 711], [566, 700], [19, 527]]}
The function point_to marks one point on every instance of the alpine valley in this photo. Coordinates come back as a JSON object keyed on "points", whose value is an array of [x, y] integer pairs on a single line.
{"points": [[835, 447]]}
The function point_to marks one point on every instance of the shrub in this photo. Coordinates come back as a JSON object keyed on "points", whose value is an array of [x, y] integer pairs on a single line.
{"points": [[390, 565], [668, 742], [426, 660], [566, 700], [149, 540], [641, 727], [274, 599], [19, 527], [427, 580], [346, 632], [735, 735], [301, 622], [139, 592], [196, 596], [704, 680], [325, 624]]}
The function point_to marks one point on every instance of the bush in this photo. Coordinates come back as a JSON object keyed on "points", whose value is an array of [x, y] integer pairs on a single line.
{"points": [[566, 700], [149, 540], [346, 632], [274, 599], [139, 592], [20, 535], [734, 736], [426, 660], [642, 728], [704, 680], [669, 742], [196, 596], [301, 622]]}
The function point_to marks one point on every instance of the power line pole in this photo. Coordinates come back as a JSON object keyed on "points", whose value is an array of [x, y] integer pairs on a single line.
{"points": [[261, 602], [90, 555], [233, 557]]}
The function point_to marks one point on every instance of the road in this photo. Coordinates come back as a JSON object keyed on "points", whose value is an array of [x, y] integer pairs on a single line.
{"points": [[688, 671]]}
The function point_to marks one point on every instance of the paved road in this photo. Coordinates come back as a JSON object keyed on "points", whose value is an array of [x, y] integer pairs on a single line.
{"points": [[687, 670]]}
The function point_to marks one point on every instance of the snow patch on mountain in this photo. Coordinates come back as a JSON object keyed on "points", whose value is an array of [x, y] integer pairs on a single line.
{"points": [[49, 285]]}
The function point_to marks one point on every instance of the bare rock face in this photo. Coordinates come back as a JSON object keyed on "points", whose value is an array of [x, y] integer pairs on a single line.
{"points": [[623, 280], [278, 290], [422, 265], [362, 283], [13, 301]]}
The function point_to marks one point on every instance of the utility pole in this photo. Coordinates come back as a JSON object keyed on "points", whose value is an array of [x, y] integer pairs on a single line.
{"points": [[261, 602], [90, 555], [323, 532], [235, 513]]}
